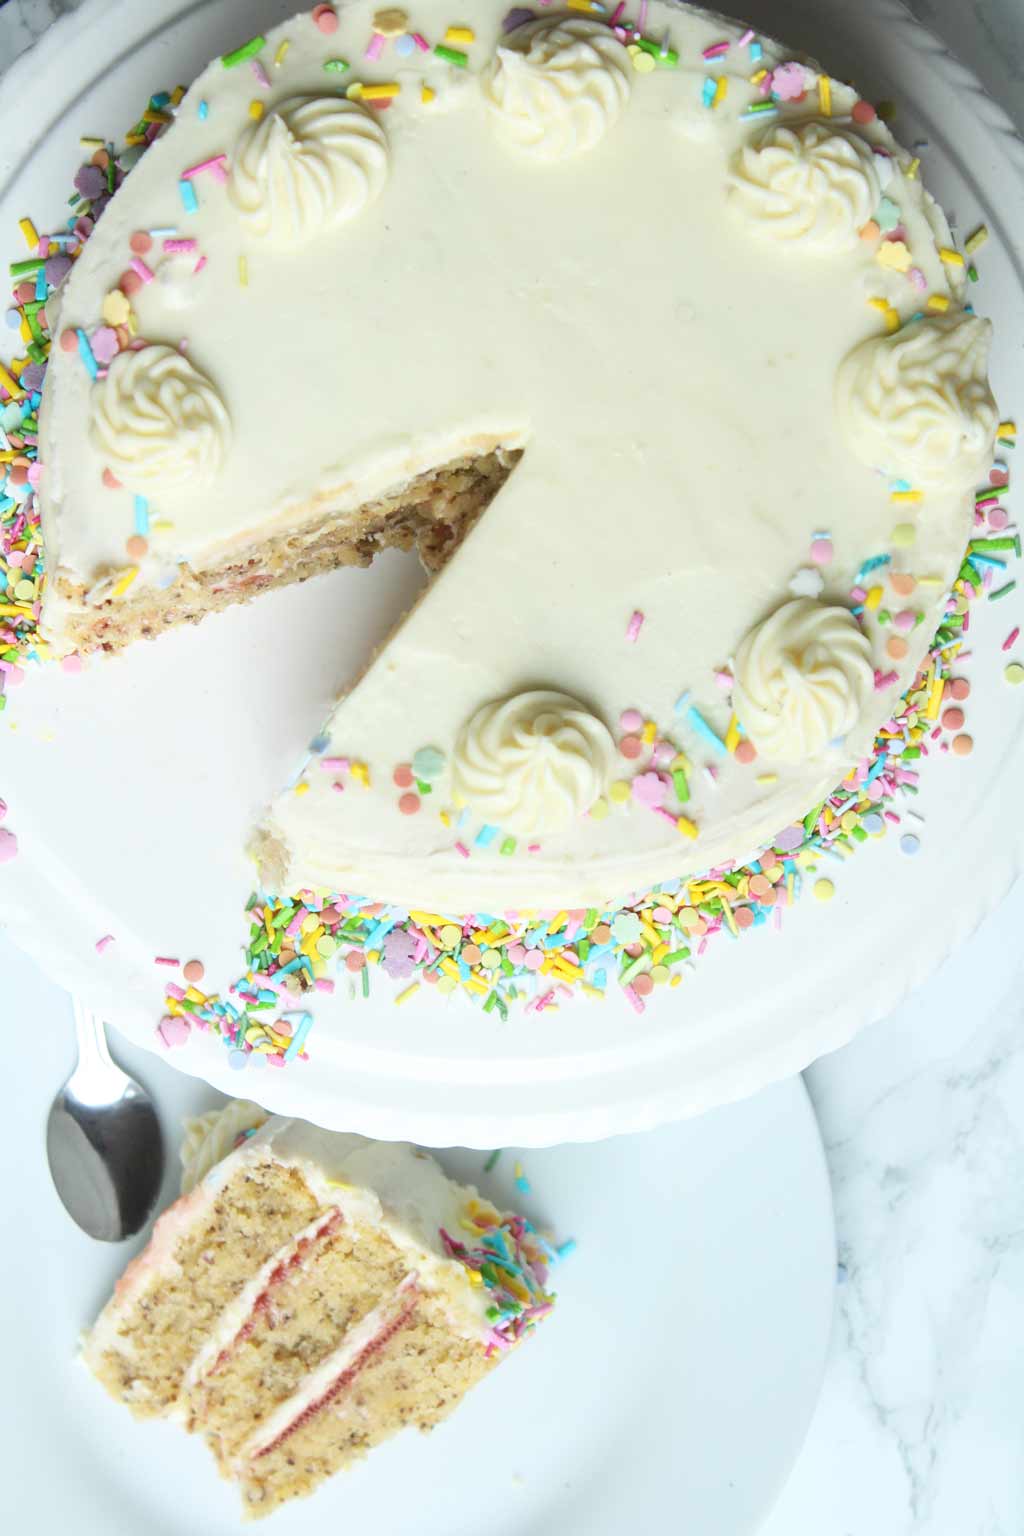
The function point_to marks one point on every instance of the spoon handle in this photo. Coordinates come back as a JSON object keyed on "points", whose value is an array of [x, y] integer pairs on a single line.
{"points": [[92, 1036]]}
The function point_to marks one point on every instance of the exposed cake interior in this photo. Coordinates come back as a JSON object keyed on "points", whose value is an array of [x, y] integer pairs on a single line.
{"points": [[309, 1297], [432, 512]]}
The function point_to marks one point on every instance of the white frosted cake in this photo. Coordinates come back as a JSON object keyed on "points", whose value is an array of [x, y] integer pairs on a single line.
{"points": [[694, 351]]}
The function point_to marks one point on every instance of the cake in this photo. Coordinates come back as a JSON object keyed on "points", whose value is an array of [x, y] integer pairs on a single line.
{"points": [[310, 1294], [652, 339]]}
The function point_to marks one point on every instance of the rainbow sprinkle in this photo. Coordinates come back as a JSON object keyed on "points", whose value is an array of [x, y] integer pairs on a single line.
{"points": [[510, 1257]]}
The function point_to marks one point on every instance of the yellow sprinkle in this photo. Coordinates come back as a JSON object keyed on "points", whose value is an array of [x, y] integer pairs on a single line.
{"points": [[687, 827], [1006, 429], [599, 810], [302, 788], [354, 91], [194, 995], [880, 304], [115, 307], [125, 582], [648, 733], [28, 232], [373, 957], [463, 34], [825, 95], [361, 774], [903, 535], [824, 890], [450, 935], [591, 991], [255, 110], [279, 55], [135, 138], [427, 96], [909, 496], [11, 384], [675, 981], [177, 96], [913, 168], [873, 598], [475, 1277], [151, 115], [938, 303], [767, 778], [975, 241], [243, 271], [410, 991], [935, 699], [720, 90], [732, 735], [658, 954], [383, 92], [950, 257], [619, 792], [433, 918], [25, 332], [567, 971], [730, 920], [894, 254], [650, 933]]}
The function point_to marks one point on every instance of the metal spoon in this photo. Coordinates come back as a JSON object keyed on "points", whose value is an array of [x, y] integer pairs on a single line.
{"points": [[103, 1141]]}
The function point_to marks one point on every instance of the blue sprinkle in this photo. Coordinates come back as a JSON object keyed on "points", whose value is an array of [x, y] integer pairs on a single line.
{"points": [[141, 515], [237, 1060], [909, 843], [704, 730], [565, 1249], [601, 979], [485, 836], [299, 1037], [204, 111], [319, 744], [41, 283], [189, 201], [85, 353]]}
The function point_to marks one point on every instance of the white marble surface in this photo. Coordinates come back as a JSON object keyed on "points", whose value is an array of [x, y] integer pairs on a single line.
{"points": [[921, 1422]]}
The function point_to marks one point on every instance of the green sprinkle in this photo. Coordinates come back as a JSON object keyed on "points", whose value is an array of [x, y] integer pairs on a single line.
{"points": [[669, 58], [508, 846], [972, 273], [680, 785], [23, 268], [491, 1000], [365, 973], [453, 55], [990, 546], [248, 50], [492, 1160], [1003, 591], [335, 66], [676, 954]]}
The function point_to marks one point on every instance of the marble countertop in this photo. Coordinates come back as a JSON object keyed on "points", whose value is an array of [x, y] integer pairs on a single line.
{"points": [[921, 1420]]}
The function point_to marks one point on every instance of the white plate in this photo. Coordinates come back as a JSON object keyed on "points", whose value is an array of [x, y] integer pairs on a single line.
{"points": [[116, 777], [670, 1390]]}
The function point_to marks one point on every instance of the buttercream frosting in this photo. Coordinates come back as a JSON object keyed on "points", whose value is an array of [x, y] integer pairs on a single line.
{"points": [[813, 184], [210, 1137], [158, 422]]}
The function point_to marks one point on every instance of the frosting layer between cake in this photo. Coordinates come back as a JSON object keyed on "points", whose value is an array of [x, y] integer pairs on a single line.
{"points": [[652, 292]]}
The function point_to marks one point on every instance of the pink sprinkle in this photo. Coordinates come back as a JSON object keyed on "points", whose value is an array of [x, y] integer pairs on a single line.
{"points": [[421, 42], [139, 267], [821, 551], [295, 926], [8, 846], [1011, 638], [375, 47], [858, 594], [918, 279], [338, 787], [180, 247], [262, 78], [643, 15], [462, 849], [173, 990], [166, 960], [15, 675], [659, 810], [335, 764], [200, 264], [533, 959], [216, 165], [533, 847], [104, 343], [724, 679], [516, 953], [71, 664], [983, 506], [634, 626], [617, 14], [748, 37], [173, 1031], [635, 999], [3, 809], [104, 943], [715, 51], [998, 518], [650, 789]]}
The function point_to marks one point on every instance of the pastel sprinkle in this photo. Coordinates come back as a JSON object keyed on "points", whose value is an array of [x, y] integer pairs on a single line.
{"points": [[247, 51], [635, 625]]}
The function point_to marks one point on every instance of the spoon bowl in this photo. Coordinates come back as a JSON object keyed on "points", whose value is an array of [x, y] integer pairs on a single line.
{"points": [[103, 1141]]}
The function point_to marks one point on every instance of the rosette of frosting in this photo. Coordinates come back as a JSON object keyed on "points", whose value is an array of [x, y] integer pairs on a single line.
{"points": [[210, 1137], [802, 678], [158, 422], [813, 184], [313, 162], [533, 763], [556, 89], [918, 403]]}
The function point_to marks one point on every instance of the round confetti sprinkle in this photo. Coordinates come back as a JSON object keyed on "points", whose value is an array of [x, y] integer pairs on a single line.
{"points": [[326, 18], [634, 950], [998, 519], [1014, 674], [952, 718], [870, 230], [533, 959], [237, 1061], [896, 647], [643, 986], [391, 22], [599, 810], [963, 745], [140, 242], [745, 751], [404, 46], [449, 935], [660, 974], [471, 954], [601, 934], [909, 843], [904, 620], [743, 917], [516, 953], [619, 792], [135, 546], [821, 551], [193, 971], [631, 746], [409, 804], [68, 341], [490, 959], [903, 535], [71, 664], [863, 112], [430, 977], [643, 62], [824, 890], [959, 689], [355, 960], [631, 720], [902, 583], [130, 282], [446, 984], [759, 886], [13, 319], [403, 776], [428, 763], [8, 845]]}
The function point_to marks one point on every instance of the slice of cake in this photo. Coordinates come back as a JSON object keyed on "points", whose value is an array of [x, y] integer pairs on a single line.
{"points": [[311, 1295]]}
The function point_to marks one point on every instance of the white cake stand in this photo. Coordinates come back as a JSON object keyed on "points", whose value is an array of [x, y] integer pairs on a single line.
{"points": [[131, 787]]}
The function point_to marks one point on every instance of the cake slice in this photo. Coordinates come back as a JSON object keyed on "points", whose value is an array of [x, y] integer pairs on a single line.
{"points": [[311, 1295]]}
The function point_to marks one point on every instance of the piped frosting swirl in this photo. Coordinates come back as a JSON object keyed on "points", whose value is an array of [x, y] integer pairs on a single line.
{"points": [[813, 184], [557, 89], [533, 763], [802, 679], [159, 423], [314, 162], [918, 403]]}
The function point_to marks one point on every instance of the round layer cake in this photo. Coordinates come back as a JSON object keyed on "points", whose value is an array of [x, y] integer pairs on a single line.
{"points": [[670, 314]]}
